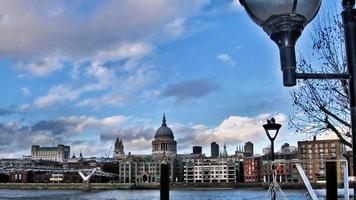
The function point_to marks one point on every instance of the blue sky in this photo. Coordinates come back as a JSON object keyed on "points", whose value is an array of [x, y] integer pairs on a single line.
{"points": [[84, 72]]}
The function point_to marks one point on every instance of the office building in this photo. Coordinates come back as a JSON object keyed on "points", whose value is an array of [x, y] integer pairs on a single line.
{"points": [[214, 150], [59, 154], [248, 149], [197, 150]]}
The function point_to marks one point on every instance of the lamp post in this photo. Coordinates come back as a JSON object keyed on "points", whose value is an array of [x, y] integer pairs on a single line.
{"points": [[284, 21], [272, 129]]}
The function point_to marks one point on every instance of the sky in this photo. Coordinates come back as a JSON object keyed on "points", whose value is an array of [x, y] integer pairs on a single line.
{"points": [[82, 73]]}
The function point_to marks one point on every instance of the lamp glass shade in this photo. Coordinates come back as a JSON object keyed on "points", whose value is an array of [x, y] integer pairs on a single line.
{"points": [[272, 133], [262, 10], [272, 129]]}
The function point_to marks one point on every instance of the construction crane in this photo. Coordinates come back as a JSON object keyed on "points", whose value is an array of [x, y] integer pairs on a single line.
{"points": [[109, 152]]}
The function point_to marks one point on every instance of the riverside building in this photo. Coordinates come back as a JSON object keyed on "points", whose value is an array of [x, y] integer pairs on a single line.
{"points": [[313, 155], [204, 170], [60, 153], [146, 168]]}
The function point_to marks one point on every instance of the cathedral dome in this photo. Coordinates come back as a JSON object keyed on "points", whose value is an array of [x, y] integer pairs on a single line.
{"points": [[164, 132], [164, 143]]}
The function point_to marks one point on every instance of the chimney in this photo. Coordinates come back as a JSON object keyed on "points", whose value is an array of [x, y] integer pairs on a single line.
{"points": [[314, 138]]}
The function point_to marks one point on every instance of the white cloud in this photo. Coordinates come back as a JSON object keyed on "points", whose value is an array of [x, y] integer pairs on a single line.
{"points": [[45, 66], [103, 77], [113, 30], [226, 59], [232, 131], [139, 146], [80, 123], [57, 94], [123, 90], [25, 91], [123, 51], [175, 28]]}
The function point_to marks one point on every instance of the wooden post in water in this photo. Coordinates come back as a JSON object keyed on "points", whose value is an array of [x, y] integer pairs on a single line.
{"points": [[331, 180], [164, 181]]}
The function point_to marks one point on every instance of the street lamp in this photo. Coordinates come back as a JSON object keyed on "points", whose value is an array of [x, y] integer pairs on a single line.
{"points": [[272, 129], [284, 20]]}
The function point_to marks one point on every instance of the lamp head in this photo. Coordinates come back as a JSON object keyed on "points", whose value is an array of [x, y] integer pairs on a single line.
{"points": [[283, 21], [272, 128]]}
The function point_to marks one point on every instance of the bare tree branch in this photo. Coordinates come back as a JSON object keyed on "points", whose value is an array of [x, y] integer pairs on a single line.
{"points": [[323, 105]]}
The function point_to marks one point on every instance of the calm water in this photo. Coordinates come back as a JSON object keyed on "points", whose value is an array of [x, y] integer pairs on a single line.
{"points": [[240, 194]]}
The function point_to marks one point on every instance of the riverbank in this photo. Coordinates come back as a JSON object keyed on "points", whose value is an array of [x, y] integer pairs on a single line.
{"points": [[195, 194], [126, 186]]}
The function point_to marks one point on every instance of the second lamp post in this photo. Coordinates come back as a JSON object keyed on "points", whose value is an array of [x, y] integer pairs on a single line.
{"points": [[272, 129]]}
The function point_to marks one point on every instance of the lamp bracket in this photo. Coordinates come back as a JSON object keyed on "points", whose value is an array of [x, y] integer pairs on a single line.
{"points": [[341, 76]]}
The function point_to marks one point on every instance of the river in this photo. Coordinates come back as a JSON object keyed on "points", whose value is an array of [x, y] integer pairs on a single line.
{"points": [[196, 194]]}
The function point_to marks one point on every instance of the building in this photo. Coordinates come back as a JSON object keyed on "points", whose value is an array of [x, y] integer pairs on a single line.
{"points": [[60, 153], [119, 149], [214, 150], [208, 170], [313, 155], [239, 158], [286, 170], [239, 151], [248, 149], [164, 143], [266, 150], [252, 169], [284, 146], [197, 150], [146, 168]]}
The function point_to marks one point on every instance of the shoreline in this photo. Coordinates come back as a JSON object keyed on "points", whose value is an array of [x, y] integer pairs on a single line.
{"points": [[174, 186]]}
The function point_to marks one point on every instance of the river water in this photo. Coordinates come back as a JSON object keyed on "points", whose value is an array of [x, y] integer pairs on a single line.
{"points": [[196, 194]]}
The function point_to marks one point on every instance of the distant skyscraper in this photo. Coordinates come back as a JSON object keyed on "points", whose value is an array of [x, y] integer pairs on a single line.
{"points": [[214, 150], [248, 149], [197, 150]]}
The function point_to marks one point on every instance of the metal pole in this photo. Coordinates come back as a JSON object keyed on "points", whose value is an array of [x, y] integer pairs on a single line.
{"points": [[344, 76], [164, 186], [273, 195], [349, 21], [272, 150], [331, 180]]}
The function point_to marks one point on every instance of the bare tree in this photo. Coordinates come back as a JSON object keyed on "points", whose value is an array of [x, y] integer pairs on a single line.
{"points": [[323, 105]]}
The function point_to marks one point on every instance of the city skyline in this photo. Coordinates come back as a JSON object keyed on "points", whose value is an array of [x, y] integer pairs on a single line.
{"points": [[80, 74]]}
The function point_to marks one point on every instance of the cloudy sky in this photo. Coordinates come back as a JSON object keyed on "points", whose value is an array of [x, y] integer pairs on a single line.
{"points": [[82, 73]]}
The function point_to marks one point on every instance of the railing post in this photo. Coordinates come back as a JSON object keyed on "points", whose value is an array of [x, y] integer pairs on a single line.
{"points": [[164, 181]]}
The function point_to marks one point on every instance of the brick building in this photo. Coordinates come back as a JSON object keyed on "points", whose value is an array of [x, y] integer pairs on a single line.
{"points": [[252, 169], [313, 155]]}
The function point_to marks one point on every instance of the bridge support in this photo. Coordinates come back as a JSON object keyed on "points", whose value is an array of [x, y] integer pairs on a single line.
{"points": [[86, 180], [86, 186]]}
